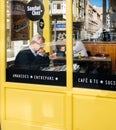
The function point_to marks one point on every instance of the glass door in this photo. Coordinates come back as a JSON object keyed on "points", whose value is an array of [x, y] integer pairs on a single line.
{"points": [[36, 42], [94, 44]]}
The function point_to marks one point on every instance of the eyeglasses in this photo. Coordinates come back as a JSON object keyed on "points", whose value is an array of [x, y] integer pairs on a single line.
{"points": [[40, 44]]}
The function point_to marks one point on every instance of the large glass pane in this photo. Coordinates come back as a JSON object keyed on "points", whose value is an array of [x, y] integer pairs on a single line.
{"points": [[94, 44], [42, 58]]}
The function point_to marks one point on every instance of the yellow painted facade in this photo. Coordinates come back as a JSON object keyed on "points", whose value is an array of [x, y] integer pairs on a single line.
{"points": [[44, 107]]}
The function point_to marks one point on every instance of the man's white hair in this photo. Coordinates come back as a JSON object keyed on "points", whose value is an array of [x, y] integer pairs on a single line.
{"points": [[36, 37]]}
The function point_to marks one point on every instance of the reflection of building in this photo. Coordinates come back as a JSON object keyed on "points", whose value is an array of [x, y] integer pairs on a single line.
{"points": [[112, 13], [88, 19], [97, 18], [78, 17], [78, 10], [108, 22], [109, 17], [93, 19]]}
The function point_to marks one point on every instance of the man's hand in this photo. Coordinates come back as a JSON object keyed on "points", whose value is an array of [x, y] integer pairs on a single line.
{"points": [[41, 51]]}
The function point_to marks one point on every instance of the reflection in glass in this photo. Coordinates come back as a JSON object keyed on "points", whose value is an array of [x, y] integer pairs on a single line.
{"points": [[30, 60], [94, 33]]}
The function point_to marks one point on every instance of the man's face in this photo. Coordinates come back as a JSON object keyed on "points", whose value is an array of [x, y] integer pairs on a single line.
{"points": [[37, 45]]}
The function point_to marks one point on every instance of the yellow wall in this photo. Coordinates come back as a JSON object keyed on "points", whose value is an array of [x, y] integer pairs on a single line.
{"points": [[2, 57], [94, 112]]}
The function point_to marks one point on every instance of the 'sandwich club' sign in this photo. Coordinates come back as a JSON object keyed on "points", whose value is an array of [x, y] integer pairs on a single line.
{"points": [[34, 10]]}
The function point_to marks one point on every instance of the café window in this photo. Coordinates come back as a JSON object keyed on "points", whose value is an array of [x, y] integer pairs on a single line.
{"points": [[94, 44], [48, 55]]}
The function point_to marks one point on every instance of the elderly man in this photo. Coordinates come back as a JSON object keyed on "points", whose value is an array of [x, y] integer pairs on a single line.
{"points": [[33, 58], [79, 48]]}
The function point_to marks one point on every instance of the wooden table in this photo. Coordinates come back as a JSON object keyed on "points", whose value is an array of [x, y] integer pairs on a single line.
{"points": [[88, 64]]}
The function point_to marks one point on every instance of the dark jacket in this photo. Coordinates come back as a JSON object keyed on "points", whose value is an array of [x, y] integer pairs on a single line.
{"points": [[26, 60], [106, 36]]}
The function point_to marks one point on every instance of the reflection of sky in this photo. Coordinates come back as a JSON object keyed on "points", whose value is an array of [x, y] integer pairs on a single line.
{"points": [[98, 3]]}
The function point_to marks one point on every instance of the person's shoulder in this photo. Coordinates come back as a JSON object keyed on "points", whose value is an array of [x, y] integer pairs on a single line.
{"points": [[25, 51], [79, 42]]}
